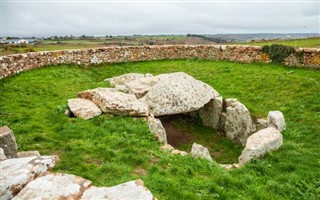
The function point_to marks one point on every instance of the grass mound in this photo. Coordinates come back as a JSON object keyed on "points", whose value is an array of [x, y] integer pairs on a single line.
{"points": [[111, 150]]}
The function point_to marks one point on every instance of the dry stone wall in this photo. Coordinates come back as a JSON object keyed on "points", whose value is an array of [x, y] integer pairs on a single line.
{"points": [[16, 63]]}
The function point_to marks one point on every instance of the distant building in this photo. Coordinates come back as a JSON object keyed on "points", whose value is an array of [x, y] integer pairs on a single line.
{"points": [[17, 41]]}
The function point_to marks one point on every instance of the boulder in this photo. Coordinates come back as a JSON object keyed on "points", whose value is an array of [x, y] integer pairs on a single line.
{"points": [[17, 172], [54, 186], [157, 129], [276, 119], [210, 114], [111, 101], [8, 142], [140, 87], [260, 143], [129, 190], [178, 93], [83, 108], [23, 154], [126, 78], [2, 155], [199, 151], [238, 123]]}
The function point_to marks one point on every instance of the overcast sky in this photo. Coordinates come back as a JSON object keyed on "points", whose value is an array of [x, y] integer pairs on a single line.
{"points": [[47, 18]]}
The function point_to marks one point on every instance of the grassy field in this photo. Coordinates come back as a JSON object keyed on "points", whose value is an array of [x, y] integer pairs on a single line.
{"points": [[111, 150], [309, 42]]}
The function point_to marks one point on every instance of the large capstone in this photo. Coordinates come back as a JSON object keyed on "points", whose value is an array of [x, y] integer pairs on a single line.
{"points": [[178, 93], [126, 78], [260, 143], [238, 122], [111, 101]]}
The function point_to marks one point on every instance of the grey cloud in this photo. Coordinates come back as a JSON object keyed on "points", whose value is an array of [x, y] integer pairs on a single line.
{"points": [[77, 18]]}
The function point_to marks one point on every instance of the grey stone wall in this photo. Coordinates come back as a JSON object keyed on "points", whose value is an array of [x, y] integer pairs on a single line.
{"points": [[16, 63]]}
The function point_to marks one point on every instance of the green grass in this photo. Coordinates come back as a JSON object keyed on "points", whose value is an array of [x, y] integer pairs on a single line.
{"points": [[308, 42], [111, 150]]}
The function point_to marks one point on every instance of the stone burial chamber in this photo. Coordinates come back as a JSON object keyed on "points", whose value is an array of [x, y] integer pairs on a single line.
{"points": [[152, 97]]}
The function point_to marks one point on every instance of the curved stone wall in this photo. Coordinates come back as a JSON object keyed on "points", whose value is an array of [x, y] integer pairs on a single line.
{"points": [[16, 63]]}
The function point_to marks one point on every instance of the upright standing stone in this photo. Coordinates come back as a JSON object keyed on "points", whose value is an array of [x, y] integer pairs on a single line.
{"points": [[239, 124], [8, 142], [276, 119], [157, 129], [210, 114]]}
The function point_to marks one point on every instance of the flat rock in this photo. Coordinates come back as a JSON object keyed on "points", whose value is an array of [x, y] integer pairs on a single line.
{"points": [[111, 101], [199, 151], [54, 186], [167, 147], [17, 172], [23, 154], [157, 129], [260, 143], [210, 114], [126, 78], [276, 119], [179, 152], [238, 123], [129, 190], [178, 93], [83, 108], [141, 86], [8, 142]]}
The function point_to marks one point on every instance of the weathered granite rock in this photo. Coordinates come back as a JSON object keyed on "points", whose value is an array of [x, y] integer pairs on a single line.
{"points": [[54, 186], [210, 114], [23, 154], [140, 87], [276, 119], [199, 151], [129, 190], [8, 142], [239, 124], [2, 155], [126, 78], [167, 147], [261, 124], [230, 166], [17, 172], [178, 93], [83, 108], [178, 152], [157, 129], [114, 102], [261, 142]]}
